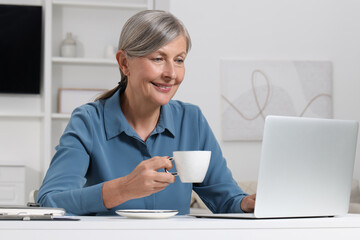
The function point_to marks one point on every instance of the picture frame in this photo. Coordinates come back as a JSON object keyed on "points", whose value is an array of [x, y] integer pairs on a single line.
{"points": [[254, 89], [71, 98]]}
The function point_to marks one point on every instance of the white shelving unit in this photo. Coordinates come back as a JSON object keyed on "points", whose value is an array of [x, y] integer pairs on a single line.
{"points": [[95, 61], [94, 24], [21, 115], [64, 116], [97, 4], [30, 125]]}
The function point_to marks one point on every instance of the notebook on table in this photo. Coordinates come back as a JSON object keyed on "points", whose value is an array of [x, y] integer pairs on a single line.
{"points": [[32, 213], [306, 168]]}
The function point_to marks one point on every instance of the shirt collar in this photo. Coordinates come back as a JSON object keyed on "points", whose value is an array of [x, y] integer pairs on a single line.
{"points": [[116, 123], [166, 121]]}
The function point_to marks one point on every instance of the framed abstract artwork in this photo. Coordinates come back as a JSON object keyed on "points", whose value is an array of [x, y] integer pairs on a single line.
{"points": [[70, 98], [251, 90]]}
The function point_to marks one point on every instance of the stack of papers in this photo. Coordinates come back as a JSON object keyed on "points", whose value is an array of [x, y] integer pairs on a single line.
{"points": [[29, 213]]}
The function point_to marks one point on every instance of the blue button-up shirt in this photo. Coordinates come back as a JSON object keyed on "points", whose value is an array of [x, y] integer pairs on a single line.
{"points": [[99, 145]]}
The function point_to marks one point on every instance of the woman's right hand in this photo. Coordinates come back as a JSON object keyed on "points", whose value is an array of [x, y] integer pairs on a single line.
{"points": [[143, 181]]}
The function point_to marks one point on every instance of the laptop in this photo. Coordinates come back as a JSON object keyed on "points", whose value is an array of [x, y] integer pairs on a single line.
{"points": [[306, 168]]}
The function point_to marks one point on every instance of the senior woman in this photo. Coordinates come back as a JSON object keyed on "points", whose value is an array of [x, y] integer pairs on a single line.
{"points": [[112, 152]]}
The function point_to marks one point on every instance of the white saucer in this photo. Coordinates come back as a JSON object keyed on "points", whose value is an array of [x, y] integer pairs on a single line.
{"points": [[144, 213]]}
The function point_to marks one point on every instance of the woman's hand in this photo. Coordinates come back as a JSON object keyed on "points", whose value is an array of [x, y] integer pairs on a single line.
{"points": [[143, 181], [248, 203]]}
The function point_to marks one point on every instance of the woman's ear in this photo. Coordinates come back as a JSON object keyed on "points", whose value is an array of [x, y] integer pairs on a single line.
{"points": [[123, 62]]}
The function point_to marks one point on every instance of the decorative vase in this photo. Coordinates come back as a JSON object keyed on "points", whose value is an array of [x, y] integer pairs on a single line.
{"points": [[68, 46]]}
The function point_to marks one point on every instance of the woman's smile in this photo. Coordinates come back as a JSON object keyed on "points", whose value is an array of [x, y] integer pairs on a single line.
{"points": [[161, 87]]}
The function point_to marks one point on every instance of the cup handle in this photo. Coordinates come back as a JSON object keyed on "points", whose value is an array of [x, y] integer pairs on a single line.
{"points": [[172, 173]]}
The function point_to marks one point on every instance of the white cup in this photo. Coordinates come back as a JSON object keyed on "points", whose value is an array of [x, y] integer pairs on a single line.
{"points": [[191, 165]]}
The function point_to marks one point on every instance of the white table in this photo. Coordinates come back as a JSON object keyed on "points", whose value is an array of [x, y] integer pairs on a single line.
{"points": [[184, 227]]}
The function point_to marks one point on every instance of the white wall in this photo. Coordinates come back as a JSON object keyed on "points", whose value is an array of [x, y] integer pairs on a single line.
{"points": [[268, 30]]}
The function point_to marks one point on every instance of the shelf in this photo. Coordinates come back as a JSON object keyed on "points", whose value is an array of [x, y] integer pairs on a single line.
{"points": [[6, 163], [101, 4], [64, 116], [101, 61], [20, 115]]}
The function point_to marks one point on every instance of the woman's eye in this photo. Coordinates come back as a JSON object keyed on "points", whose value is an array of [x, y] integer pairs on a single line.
{"points": [[179, 60], [158, 59]]}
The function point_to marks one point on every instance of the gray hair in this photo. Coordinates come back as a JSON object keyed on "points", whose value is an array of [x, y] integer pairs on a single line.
{"points": [[146, 32]]}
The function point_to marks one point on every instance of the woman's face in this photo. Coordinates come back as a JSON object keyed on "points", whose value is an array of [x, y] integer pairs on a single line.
{"points": [[156, 77]]}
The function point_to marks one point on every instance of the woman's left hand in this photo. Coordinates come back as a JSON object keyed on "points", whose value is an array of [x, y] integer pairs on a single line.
{"points": [[248, 203]]}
